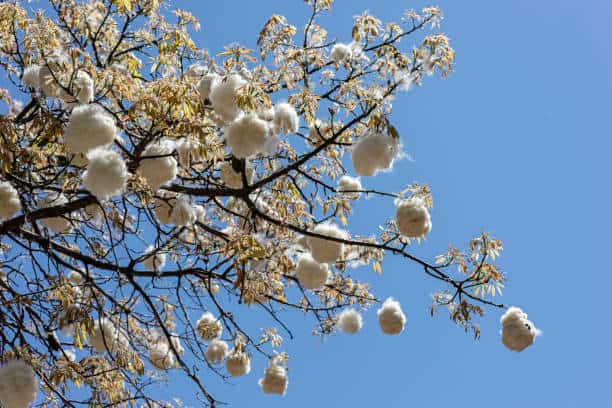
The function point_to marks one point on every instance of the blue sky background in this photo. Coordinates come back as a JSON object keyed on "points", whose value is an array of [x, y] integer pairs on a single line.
{"points": [[517, 142]]}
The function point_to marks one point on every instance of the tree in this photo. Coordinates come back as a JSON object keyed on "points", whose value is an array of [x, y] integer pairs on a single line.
{"points": [[152, 191]]}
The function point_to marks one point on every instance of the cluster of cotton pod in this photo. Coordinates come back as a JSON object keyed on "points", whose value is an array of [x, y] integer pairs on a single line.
{"points": [[517, 331], [233, 179], [18, 384], [391, 318], [157, 165], [325, 250], [188, 151], [349, 321], [310, 273], [163, 206], [374, 152], [209, 327], [9, 200], [106, 173], [238, 362], [59, 224], [183, 212], [161, 357], [52, 73], [216, 351], [155, 259], [286, 119], [275, 378], [341, 53], [108, 337], [350, 186], [222, 94], [89, 126], [412, 216], [31, 76], [207, 83], [82, 88], [248, 136]]}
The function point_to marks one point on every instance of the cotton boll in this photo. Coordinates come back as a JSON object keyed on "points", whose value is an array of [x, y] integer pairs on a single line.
{"points": [[209, 327], [302, 242], [106, 173], [413, 218], [286, 119], [188, 151], [195, 71], [517, 331], [161, 357], [9, 200], [233, 179], [350, 321], [238, 363], [155, 262], [223, 94], [310, 273], [216, 351], [60, 224], [266, 114], [374, 152], [176, 343], [89, 127], [18, 384], [350, 184], [76, 278], [160, 167], [341, 53], [391, 318], [247, 136], [183, 213], [51, 73], [163, 207], [31, 76], [107, 337], [200, 213], [323, 250], [83, 87], [207, 83], [275, 379]]}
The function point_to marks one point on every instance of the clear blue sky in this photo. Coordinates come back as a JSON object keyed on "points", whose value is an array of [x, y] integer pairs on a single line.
{"points": [[517, 141]]}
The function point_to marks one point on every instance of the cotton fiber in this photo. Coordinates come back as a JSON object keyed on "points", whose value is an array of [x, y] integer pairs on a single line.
{"points": [[59, 224], [216, 351], [183, 213], [18, 384], [275, 379], [223, 96], [517, 332], [31, 77], [207, 83], [374, 152], [157, 165], [238, 363], [310, 273], [106, 173], [209, 327], [89, 127], [323, 250], [391, 318], [341, 53], [350, 321], [286, 119], [9, 200], [247, 136], [413, 218], [155, 262]]}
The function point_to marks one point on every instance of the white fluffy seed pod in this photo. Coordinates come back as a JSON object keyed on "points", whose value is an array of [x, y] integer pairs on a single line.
{"points": [[89, 127], [183, 213], [286, 119], [216, 351], [106, 173], [52, 72], [247, 136], [31, 77], [163, 207], [310, 273], [323, 250], [60, 225], [349, 321], [517, 332], [18, 384], [275, 379], [188, 152], [155, 262], [209, 327], [351, 185], [390, 317], [232, 179], [157, 165], [238, 363], [223, 94], [9, 200], [195, 71], [161, 357], [107, 337], [413, 218], [374, 152], [176, 343], [207, 83], [83, 87], [341, 53], [266, 114]]}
